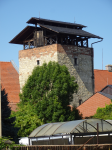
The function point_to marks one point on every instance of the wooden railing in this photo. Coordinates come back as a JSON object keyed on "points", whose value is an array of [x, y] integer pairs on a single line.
{"points": [[66, 147]]}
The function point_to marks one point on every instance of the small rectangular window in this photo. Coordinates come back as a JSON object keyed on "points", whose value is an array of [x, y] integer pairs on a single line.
{"points": [[75, 61], [80, 101], [38, 62]]}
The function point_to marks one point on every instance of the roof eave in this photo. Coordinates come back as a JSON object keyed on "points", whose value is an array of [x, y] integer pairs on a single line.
{"points": [[30, 21]]}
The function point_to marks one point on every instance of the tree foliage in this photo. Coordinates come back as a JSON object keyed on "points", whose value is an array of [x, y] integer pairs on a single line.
{"points": [[104, 113], [46, 96], [8, 128], [26, 119], [5, 143]]}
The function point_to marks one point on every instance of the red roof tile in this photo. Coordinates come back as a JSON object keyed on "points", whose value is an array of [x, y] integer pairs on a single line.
{"points": [[102, 79], [10, 82], [89, 107]]}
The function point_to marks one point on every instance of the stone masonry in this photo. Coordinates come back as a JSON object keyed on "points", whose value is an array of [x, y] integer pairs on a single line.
{"points": [[64, 55]]}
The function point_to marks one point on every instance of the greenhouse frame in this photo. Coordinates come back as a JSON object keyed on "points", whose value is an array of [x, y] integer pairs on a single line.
{"points": [[71, 129]]}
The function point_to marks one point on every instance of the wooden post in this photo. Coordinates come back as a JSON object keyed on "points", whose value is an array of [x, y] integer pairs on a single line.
{"points": [[82, 43], [61, 40], [97, 132], [50, 40], [76, 42], [67, 40], [72, 41], [49, 140], [87, 42], [23, 46], [29, 44], [28, 141], [56, 40], [71, 138]]}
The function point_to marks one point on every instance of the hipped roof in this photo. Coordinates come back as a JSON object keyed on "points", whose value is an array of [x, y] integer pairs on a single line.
{"points": [[69, 31], [27, 33]]}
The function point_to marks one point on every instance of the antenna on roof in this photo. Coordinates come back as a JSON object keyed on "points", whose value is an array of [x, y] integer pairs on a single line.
{"points": [[74, 19], [39, 14]]}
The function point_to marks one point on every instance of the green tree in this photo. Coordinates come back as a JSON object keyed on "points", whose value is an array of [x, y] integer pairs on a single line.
{"points": [[8, 128], [46, 94], [26, 119], [104, 113]]}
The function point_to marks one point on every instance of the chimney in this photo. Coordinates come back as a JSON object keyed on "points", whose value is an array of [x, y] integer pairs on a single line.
{"points": [[109, 68]]}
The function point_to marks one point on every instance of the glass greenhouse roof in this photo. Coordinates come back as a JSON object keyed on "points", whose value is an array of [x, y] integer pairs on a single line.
{"points": [[72, 127]]}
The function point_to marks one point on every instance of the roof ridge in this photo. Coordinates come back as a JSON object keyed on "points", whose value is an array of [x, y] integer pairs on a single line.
{"points": [[106, 95]]}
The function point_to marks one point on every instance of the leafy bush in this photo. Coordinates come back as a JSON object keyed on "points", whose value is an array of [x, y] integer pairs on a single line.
{"points": [[104, 113]]}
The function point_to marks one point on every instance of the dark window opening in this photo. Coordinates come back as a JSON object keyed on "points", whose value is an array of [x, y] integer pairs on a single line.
{"points": [[75, 61], [38, 62], [80, 101]]}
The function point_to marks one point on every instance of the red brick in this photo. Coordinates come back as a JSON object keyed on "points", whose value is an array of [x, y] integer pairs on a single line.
{"points": [[10, 82]]}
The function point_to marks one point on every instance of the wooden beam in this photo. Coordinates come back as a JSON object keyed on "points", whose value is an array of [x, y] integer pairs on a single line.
{"points": [[61, 40], [24, 46], [57, 39], [50, 40], [29, 44], [81, 43], [87, 42], [76, 42], [67, 40], [28, 40]]}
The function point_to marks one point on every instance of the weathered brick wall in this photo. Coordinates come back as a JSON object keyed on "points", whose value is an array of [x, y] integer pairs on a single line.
{"points": [[28, 60], [64, 54], [82, 71]]}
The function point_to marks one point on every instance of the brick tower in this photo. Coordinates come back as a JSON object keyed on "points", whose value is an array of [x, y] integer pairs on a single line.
{"points": [[65, 43]]}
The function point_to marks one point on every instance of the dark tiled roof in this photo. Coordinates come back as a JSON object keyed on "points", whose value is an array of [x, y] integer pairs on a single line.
{"points": [[35, 20], [69, 31], [106, 95], [110, 86], [56, 26], [26, 33]]}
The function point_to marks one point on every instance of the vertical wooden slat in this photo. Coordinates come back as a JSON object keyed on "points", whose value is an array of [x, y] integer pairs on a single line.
{"points": [[81, 43], [87, 42], [29, 44], [50, 40]]}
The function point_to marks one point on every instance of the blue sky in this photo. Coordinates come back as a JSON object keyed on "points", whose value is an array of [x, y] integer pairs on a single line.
{"points": [[95, 14]]}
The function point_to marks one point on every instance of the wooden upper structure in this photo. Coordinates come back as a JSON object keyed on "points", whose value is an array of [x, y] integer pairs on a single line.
{"points": [[46, 32]]}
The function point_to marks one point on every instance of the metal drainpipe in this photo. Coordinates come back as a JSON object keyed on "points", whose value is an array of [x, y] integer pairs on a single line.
{"points": [[93, 63]]}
